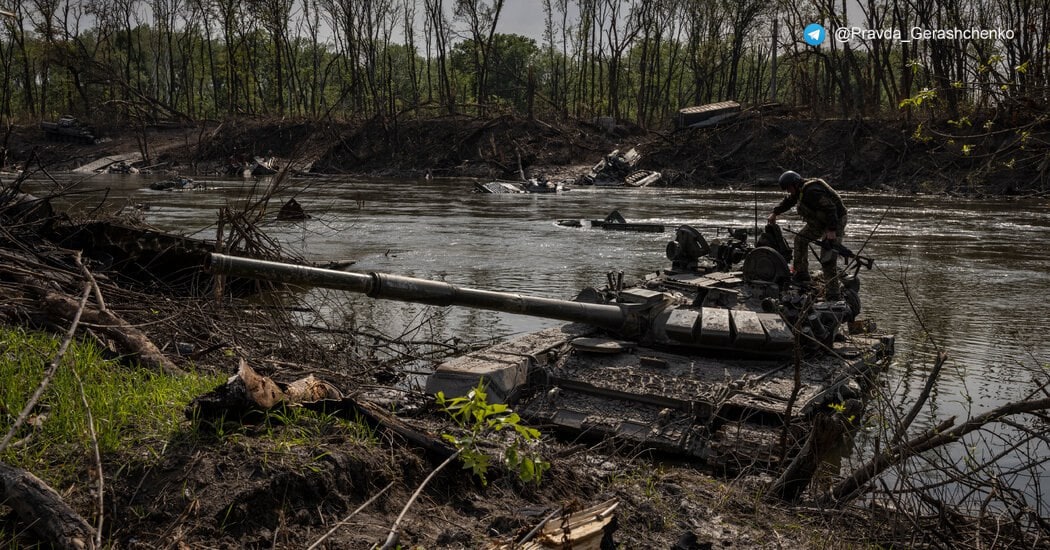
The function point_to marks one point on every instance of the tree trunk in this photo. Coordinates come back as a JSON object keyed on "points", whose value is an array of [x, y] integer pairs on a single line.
{"points": [[828, 431]]}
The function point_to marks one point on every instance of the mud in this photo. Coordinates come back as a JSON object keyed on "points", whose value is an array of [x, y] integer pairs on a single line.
{"points": [[241, 490], [274, 485], [984, 156]]}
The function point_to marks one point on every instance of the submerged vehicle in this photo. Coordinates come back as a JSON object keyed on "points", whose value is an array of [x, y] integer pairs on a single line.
{"points": [[719, 357], [499, 187], [176, 184], [616, 222]]}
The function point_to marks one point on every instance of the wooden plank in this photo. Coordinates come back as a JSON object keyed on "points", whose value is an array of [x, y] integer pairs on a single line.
{"points": [[103, 162]]}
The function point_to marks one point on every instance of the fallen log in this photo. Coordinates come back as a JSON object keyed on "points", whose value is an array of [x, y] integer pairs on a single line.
{"points": [[128, 339], [62, 308], [43, 509]]}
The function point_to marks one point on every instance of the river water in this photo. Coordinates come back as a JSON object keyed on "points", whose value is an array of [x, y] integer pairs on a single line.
{"points": [[977, 271]]}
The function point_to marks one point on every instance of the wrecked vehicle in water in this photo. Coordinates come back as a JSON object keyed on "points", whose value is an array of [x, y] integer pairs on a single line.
{"points": [[719, 358], [502, 187], [618, 169], [68, 128], [176, 184]]}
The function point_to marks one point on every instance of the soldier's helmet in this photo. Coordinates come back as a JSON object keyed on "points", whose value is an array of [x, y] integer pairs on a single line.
{"points": [[789, 178]]}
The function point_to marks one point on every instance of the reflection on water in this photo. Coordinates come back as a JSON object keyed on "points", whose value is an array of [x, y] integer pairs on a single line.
{"points": [[977, 271]]}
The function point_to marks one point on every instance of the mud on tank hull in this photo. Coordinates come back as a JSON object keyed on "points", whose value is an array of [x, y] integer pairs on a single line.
{"points": [[727, 411]]}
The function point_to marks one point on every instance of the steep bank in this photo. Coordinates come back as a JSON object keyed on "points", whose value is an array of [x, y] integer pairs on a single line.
{"points": [[982, 156]]}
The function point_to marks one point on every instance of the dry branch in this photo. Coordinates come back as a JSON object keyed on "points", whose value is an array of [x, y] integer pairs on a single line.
{"points": [[36, 503], [129, 340], [828, 430], [393, 536], [52, 368], [43, 509], [943, 434]]}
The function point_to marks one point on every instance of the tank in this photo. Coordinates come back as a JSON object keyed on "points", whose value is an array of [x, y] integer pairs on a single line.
{"points": [[698, 359], [69, 128]]}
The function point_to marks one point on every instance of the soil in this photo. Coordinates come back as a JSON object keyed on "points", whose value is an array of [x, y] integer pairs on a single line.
{"points": [[234, 484], [985, 156]]}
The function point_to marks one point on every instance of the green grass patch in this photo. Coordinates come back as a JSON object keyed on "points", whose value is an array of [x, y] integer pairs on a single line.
{"points": [[135, 410]]}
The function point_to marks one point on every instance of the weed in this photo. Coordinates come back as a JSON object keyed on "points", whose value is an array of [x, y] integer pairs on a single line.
{"points": [[134, 409], [474, 414]]}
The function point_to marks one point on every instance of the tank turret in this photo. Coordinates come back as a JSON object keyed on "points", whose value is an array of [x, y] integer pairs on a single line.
{"points": [[651, 317]]}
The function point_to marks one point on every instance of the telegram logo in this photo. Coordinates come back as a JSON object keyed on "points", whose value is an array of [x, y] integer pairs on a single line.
{"points": [[814, 34]]}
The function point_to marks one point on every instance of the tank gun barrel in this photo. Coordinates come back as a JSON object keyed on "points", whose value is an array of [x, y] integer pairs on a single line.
{"points": [[423, 291]]}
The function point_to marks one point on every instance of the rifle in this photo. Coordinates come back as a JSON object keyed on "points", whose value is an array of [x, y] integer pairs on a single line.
{"points": [[864, 261]]}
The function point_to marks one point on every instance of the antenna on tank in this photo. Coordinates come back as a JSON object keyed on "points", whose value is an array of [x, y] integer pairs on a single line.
{"points": [[754, 191]]}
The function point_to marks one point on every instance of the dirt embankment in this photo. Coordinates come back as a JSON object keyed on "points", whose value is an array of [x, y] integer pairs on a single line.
{"points": [[967, 157], [282, 484]]}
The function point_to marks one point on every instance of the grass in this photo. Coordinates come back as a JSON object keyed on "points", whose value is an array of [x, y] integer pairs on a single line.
{"points": [[135, 410]]}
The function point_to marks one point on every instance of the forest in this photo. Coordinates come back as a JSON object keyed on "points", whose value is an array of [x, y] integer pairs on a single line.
{"points": [[153, 61]]}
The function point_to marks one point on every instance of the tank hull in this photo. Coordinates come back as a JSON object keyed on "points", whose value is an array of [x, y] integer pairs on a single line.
{"points": [[725, 411]]}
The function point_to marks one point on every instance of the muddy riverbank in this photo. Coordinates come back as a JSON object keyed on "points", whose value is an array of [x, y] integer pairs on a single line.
{"points": [[286, 481], [982, 156]]}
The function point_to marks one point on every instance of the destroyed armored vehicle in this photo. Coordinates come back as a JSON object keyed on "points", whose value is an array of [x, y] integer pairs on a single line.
{"points": [[68, 128], [718, 358], [618, 168], [176, 184], [534, 185]]}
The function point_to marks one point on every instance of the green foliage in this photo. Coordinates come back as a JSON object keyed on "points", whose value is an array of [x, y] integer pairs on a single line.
{"points": [[508, 67], [1024, 136], [925, 95], [840, 409], [920, 134], [646, 60], [134, 409], [477, 418]]}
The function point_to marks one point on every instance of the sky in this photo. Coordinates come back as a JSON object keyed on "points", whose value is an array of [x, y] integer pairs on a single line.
{"points": [[524, 17]]}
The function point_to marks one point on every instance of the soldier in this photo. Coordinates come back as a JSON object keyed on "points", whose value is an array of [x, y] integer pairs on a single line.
{"points": [[825, 216]]}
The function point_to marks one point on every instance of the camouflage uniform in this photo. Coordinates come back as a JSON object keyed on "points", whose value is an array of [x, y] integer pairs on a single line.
{"points": [[822, 209]]}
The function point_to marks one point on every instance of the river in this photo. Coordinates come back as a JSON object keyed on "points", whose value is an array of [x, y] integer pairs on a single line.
{"points": [[977, 271]]}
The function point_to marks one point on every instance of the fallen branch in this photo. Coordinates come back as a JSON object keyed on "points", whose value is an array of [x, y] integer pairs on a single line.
{"points": [[392, 538], [129, 340], [848, 488], [37, 504], [43, 509], [97, 456], [347, 518]]}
